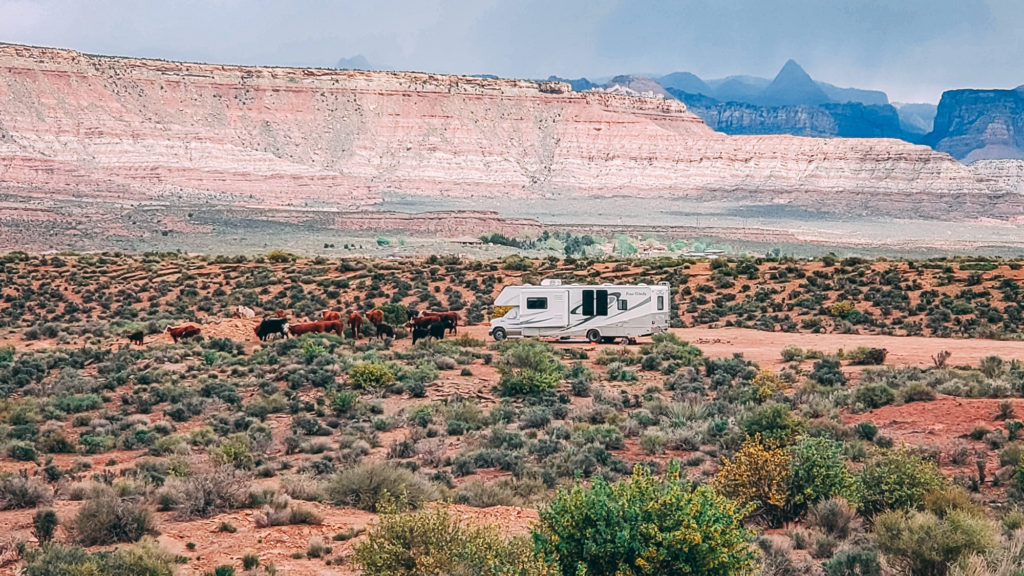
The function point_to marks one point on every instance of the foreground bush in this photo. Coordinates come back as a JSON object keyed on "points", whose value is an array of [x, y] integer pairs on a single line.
{"points": [[435, 543], [925, 544], [142, 559], [106, 518], [645, 525], [367, 485], [527, 367], [757, 475]]}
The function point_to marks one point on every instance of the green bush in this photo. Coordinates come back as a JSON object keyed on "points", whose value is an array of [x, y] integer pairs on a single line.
{"points": [[527, 367], [106, 518], [896, 480], [923, 543], [370, 376], [367, 485], [818, 472], [44, 524], [436, 543], [853, 562], [645, 525], [873, 396], [773, 422]]}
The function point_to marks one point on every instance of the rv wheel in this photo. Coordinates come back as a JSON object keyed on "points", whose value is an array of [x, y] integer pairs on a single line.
{"points": [[594, 336], [499, 334]]}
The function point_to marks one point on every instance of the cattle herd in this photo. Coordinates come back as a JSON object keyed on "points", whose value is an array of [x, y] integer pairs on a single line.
{"points": [[423, 325]]}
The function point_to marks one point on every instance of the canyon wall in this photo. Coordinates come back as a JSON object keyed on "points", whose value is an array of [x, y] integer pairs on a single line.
{"points": [[130, 130]]}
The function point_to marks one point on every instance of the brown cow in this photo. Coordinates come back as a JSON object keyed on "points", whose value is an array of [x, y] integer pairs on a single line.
{"points": [[376, 317], [183, 332], [331, 315], [453, 318], [425, 319], [280, 313], [322, 326], [355, 320]]}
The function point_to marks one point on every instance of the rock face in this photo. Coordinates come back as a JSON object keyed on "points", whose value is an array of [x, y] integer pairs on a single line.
{"points": [[980, 124], [120, 130], [847, 120]]}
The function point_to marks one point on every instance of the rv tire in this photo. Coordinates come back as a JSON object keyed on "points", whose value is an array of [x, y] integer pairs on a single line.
{"points": [[499, 334], [594, 336]]}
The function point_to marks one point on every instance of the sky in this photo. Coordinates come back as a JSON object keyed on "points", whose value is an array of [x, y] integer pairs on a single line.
{"points": [[912, 49]]}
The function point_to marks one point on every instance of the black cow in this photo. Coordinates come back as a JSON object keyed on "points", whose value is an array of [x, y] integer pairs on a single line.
{"points": [[137, 337], [271, 326], [385, 330], [419, 334]]}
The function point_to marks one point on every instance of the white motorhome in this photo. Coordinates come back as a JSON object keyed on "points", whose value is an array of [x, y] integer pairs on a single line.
{"points": [[598, 313]]}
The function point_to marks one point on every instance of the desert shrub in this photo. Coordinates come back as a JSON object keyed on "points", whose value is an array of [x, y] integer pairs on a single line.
{"points": [[19, 491], [44, 524], [866, 430], [203, 494], [863, 355], [827, 373], [773, 423], [835, 517], [370, 376], [791, 353], [142, 559], [991, 366], [757, 475], [923, 543], [853, 562], [106, 518], [818, 472], [365, 486], [280, 511], [644, 525], [871, 396], [527, 367], [435, 543], [895, 479], [917, 392], [234, 451]]}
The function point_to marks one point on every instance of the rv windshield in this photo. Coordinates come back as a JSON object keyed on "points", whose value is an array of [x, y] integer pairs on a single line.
{"points": [[512, 314]]}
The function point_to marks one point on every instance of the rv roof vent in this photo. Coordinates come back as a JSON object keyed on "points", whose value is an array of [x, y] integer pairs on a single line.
{"points": [[551, 282], [663, 283]]}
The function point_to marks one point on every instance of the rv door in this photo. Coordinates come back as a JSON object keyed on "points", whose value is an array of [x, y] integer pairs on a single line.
{"points": [[544, 309]]}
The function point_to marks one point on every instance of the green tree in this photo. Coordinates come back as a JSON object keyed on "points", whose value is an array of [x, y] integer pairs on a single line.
{"points": [[645, 525]]}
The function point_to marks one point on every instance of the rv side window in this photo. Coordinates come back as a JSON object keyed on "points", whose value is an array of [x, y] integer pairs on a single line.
{"points": [[661, 303], [623, 305], [536, 303], [602, 303], [588, 302]]}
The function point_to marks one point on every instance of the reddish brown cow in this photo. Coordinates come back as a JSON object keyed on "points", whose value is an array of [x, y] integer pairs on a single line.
{"points": [[453, 317], [331, 315], [322, 326], [182, 332], [280, 313], [376, 317], [355, 320]]}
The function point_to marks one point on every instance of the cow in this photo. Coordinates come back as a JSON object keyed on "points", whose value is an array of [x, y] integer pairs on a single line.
{"points": [[243, 312], [376, 317], [271, 326], [435, 330], [183, 332], [452, 317], [385, 330], [329, 315], [422, 320], [317, 327], [137, 337], [355, 320], [280, 313], [419, 333]]}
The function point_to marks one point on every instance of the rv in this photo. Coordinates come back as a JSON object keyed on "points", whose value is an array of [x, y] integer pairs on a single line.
{"points": [[597, 313]]}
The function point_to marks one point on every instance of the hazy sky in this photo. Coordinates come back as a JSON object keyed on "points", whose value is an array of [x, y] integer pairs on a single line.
{"points": [[912, 49]]}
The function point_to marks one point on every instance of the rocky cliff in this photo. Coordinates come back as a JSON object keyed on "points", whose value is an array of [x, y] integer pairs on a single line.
{"points": [[980, 124], [121, 129]]}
